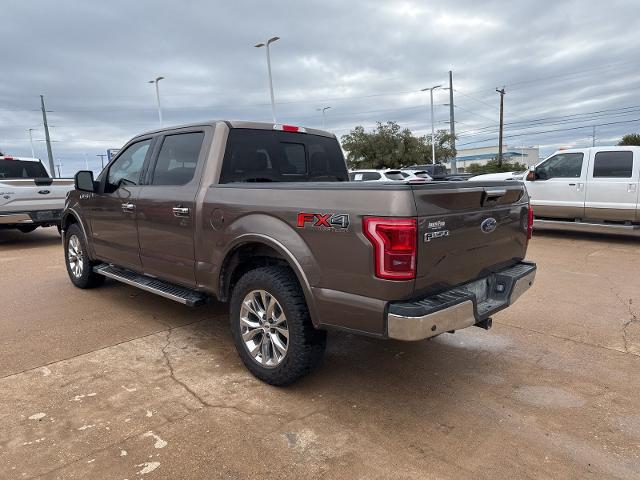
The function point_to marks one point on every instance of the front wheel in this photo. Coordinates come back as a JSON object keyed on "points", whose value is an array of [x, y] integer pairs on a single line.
{"points": [[272, 328], [79, 266]]}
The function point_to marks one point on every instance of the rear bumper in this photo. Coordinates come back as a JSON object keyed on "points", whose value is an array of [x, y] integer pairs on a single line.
{"points": [[39, 217], [461, 306]]}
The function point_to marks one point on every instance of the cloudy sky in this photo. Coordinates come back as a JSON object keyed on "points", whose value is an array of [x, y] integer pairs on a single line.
{"points": [[566, 65]]}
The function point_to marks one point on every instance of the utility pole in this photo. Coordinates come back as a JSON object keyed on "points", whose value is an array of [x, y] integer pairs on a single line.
{"points": [[501, 92], [101, 159], [452, 124], [33, 152], [59, 165], [593, 137], [52, 168]]}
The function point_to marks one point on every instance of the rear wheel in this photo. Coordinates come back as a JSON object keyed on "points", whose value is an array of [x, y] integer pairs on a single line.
{"points": [[272, 328], [79, 266]]}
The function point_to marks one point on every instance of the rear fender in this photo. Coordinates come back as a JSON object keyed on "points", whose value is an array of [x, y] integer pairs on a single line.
{"points": [[278, 235]]}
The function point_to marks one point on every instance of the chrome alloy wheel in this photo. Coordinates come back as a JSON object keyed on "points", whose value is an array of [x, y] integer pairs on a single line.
{"points": [[74, 256], [263, 326]]}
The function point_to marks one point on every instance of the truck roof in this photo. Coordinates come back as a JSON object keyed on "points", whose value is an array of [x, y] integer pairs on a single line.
{"points": [[599, 147], [245, 124]]}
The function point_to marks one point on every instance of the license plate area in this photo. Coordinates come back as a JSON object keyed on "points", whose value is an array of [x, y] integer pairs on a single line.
{"points": [[44, 215]]}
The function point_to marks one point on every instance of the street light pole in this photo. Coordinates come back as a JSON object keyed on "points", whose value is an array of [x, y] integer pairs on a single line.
{"points": [[33, 152], [158, 97], [266, 45], [322, 109], [433, 132]]}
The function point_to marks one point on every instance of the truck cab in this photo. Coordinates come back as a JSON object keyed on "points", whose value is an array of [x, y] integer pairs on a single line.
{"points": [[592, 189]]}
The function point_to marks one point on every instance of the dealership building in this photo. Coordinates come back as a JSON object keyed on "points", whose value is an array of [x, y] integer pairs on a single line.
{"points": [[481, 155]]}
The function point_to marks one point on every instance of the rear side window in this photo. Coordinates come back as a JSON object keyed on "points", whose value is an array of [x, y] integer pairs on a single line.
{"points": [[613, 164], [563, 165], [371, 176], [178, 159], [394, 175], [276, 156], [21, 169]]}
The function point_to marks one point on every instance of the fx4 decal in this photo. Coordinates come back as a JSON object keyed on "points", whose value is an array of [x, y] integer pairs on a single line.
{"points": [[332, 221]]}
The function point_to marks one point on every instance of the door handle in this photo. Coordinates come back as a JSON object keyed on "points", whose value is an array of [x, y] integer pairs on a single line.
{"points": [[632, 187], [128, 207], [181, 212]]}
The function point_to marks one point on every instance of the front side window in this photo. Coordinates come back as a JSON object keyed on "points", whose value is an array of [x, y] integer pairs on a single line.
{"points": [[128, 166], [178, 158], [613, 165], [563, 165]]}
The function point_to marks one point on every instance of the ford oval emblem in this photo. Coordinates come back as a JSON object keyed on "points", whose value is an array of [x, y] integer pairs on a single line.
{"points": [[488, 225]]}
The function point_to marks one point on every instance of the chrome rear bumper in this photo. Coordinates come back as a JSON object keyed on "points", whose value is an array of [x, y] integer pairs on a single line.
{"points": [[15, 218], [461, 306]]}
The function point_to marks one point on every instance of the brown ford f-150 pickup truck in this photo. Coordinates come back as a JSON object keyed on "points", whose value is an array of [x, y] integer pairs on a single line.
{"points": [[263, 216]]}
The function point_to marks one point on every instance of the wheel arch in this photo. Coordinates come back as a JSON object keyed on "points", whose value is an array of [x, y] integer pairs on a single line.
{"points": [[69, 217], [255, 250]]}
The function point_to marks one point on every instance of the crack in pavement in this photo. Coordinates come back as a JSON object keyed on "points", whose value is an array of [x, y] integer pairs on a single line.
{"points": [[633, 318], [53, 362], [203, 403]]}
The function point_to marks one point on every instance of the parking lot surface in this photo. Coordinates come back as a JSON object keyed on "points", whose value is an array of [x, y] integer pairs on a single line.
{"points": [[117, 383]]}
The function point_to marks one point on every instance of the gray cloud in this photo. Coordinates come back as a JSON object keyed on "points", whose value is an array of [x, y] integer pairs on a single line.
{"points": [[367, 60]]}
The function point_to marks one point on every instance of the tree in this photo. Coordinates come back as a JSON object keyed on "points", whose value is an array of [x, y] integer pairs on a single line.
{"points": [[630, 139], [492, 166], [390, 146]]}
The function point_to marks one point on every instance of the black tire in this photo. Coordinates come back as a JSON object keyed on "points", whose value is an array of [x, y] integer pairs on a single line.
{"points": [[59, 228], [27, 228], [306, 345], [84, 277]]}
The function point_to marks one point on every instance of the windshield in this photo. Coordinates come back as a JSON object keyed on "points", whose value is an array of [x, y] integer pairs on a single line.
{"points": [[21, 169]]}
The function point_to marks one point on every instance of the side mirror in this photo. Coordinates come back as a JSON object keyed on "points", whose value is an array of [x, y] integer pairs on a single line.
{"points": [[84, 181], [531, 174]]}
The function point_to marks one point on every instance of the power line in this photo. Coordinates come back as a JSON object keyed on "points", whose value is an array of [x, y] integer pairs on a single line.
{"points": [[555, 130]]}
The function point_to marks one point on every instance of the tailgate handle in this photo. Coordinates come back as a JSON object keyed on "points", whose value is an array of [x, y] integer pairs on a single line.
{"points": [[491, 196]]}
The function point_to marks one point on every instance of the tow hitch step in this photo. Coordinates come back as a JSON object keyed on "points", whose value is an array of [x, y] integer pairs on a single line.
{"points": [[177, 293]]}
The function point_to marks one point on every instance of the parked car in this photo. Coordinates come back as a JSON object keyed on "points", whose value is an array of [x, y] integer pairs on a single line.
{"points": [[436, 172], [591, 189], [416, 175], [29, 198], [262, 216], [516, 176], [375, 175]]}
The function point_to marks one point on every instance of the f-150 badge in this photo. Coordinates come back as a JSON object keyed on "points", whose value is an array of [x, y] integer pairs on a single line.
{"points": [[438, 230], [326, 221]]}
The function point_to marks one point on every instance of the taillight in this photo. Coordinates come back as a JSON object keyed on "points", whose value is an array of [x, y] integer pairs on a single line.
{"points": [[530, 223], [394, 244]]}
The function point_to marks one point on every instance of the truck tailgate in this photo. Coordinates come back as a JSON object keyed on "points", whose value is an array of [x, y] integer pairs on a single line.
{"points": [[467, 231], [28, 194]]}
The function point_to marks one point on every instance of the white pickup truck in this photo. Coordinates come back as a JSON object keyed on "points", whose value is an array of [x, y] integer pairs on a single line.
{"points": [[588, 189], [29, 197]]}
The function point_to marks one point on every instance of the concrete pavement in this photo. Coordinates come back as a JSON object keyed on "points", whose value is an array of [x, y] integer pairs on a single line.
{"points": [[117, 383]]}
